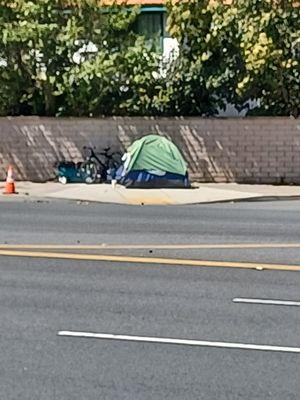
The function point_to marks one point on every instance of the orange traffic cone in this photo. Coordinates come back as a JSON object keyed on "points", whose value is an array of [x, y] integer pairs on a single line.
{"points": [[10, 182]]}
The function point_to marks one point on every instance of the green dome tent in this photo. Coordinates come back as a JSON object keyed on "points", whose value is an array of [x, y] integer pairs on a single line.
{"points": [[154, 161]]}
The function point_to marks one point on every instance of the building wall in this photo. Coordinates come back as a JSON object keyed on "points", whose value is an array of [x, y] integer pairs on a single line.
{"points": [[260, 150]]}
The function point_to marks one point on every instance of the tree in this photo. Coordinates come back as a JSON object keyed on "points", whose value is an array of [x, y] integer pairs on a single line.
{"points": [[269, 36], [204, 75], [249, 50], [112, 83], [38, 42], [72, 57], [79, 57]]}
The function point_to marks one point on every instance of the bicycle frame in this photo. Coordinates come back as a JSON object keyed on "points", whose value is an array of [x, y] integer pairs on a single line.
{"points": [[93, 156]]}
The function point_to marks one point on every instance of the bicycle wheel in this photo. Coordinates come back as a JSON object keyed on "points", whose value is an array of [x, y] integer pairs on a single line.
{"points": [[89, 171]]}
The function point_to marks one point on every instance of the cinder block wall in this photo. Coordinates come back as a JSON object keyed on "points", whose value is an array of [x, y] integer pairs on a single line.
{"points": [[258, 150]]}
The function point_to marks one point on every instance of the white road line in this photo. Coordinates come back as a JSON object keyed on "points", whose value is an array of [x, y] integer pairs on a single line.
{"points": [[262, 301], [187, 342]]}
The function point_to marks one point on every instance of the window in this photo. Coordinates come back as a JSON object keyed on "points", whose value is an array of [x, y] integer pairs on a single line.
{"points": [[151, 24]]}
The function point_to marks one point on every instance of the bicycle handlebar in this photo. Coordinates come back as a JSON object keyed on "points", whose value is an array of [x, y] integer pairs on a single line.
{"points": [[104, 152]]}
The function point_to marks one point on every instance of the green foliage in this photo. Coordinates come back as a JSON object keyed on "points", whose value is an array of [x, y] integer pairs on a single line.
{"points": [[78, 57], [208, 64], [97, 87], [249, 50], [269, 36], [39, 73]]}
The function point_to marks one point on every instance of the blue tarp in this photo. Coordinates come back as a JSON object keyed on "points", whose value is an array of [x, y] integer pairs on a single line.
{"points": [[145, 179]]}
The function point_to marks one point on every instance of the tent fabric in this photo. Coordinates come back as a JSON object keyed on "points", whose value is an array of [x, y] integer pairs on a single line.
{"points": [[155, 153], [144, 179]]}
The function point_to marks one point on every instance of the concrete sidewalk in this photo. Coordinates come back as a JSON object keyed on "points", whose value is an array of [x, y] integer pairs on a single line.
{"points": [[204, 193]]}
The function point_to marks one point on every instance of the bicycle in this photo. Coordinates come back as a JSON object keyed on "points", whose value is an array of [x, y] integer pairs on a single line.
{"points": [[94, 168]]}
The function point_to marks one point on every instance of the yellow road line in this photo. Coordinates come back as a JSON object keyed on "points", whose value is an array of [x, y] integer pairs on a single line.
{"points": [[150, 260], [152, 246]]}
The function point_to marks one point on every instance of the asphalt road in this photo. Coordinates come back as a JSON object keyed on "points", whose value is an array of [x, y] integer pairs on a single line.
{"points": [[40, 297]]}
